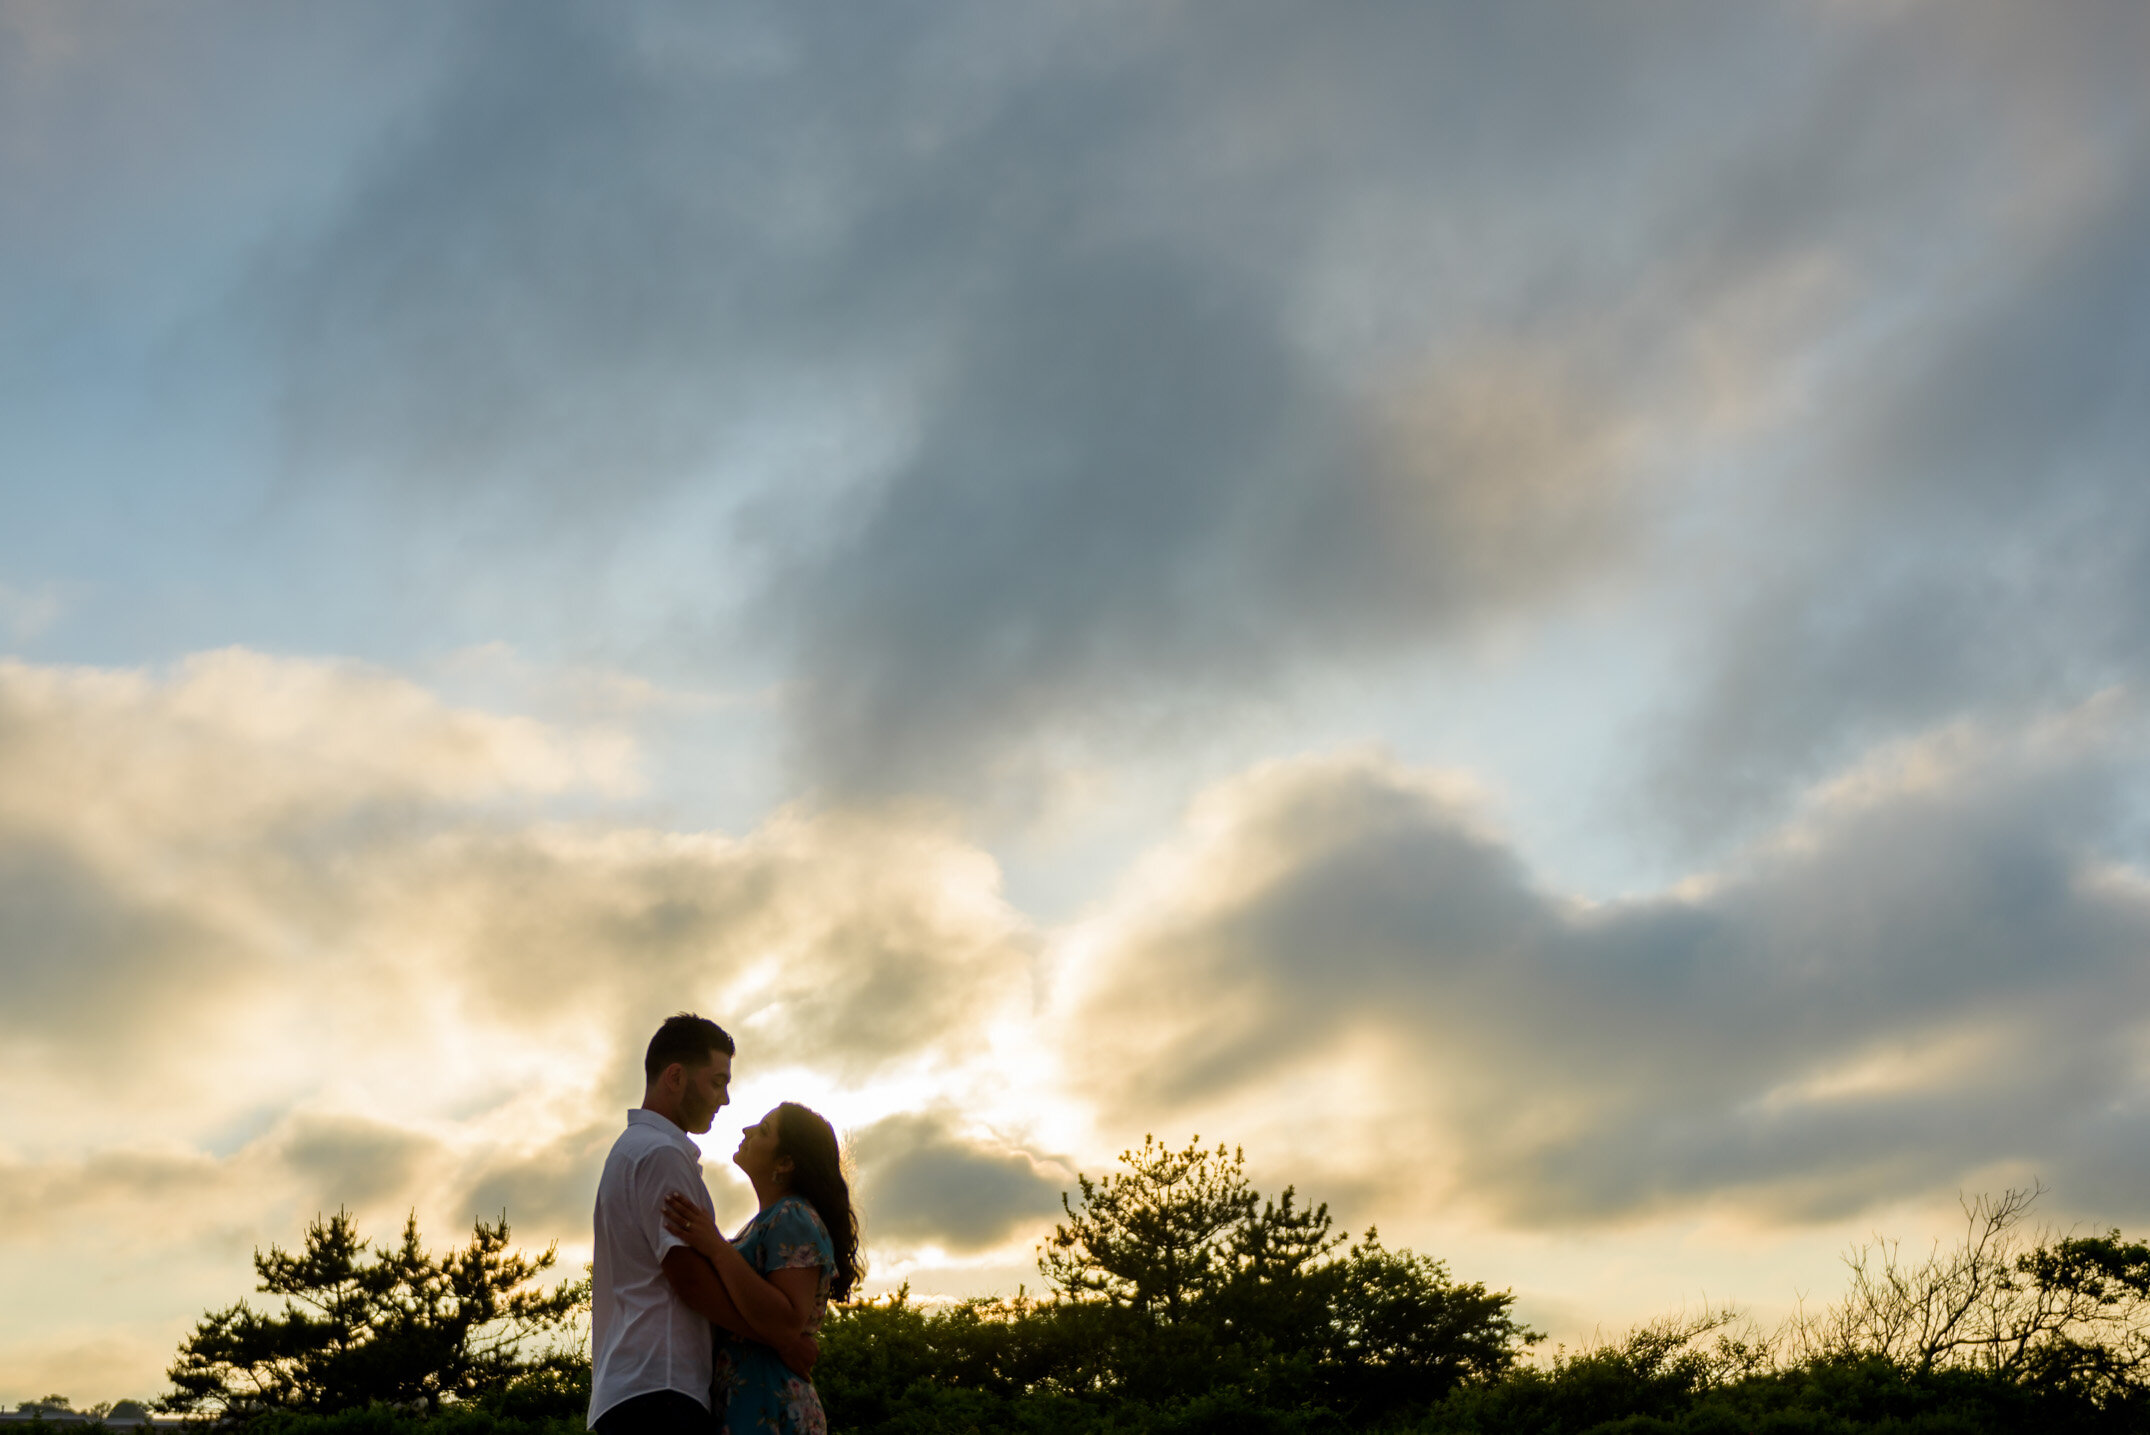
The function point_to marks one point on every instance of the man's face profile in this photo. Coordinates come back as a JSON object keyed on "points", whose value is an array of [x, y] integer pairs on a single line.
{"points": [[707, 1088]]}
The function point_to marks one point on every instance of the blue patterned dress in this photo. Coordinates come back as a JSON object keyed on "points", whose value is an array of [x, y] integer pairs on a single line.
{"points": [[754, 1391]]}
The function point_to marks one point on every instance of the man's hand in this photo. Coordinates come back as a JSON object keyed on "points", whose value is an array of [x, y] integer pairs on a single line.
{"points": [[800, 1355]]}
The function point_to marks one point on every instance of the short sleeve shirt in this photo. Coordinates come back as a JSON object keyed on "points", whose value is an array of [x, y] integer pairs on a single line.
{"points": [[643, 1338]]}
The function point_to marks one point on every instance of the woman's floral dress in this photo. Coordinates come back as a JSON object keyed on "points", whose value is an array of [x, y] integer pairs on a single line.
{"points": [[753, 1389]]}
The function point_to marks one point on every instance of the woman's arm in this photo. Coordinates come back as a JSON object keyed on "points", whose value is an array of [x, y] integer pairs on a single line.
{"points": [[775, 1307], [696, 1284]]}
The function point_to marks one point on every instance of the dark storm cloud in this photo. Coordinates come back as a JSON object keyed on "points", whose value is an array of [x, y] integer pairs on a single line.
{"points": [[1939, 972], [921, 1181]]}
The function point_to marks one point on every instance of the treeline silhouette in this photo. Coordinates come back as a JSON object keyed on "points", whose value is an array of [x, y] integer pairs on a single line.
{"points": [[1178, 1299]]}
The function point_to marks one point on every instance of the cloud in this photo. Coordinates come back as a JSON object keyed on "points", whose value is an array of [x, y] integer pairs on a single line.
{"points": [[122, 752], [844, 943], [248, 812], [1023, 418], [1932, 975], [923, 1180], [1064, 550], [35, 1196], [307, 1163], [293, 886], [76, 952], [353, 1160], [1039, 381], [130, 1243], [502, 245], [283, 937], [171, 844], [1969, 532], [551, 1190], [1162, 498], [1016, 381]]}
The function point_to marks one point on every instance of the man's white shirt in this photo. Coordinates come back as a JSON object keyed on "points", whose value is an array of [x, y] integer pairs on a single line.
{"points": [[643, 1338]]}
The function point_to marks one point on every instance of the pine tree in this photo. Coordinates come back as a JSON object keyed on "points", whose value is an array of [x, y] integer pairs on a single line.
{"points": [[390, 1325]]}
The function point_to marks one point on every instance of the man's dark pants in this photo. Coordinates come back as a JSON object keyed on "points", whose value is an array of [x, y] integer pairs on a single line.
{"points": [[661, 1412]]}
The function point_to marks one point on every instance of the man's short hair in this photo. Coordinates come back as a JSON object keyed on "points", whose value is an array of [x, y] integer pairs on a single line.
{"points": [[688, 1039]]}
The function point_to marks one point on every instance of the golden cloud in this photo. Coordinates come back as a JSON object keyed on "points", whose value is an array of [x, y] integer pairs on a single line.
{"points": [[283, 935]]}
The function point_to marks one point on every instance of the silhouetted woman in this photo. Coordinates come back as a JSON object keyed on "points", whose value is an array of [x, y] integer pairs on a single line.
{"points": [[800, 1250]]}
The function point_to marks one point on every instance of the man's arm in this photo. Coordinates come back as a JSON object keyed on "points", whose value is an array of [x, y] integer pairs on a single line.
{"points": [[687, 1271], [695, 1282]]}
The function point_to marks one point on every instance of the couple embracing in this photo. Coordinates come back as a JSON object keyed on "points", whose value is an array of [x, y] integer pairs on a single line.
{"points": [[689, 1332]]}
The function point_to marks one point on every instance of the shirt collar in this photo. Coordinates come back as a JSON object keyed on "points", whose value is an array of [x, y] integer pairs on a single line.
{"points": [[640, 1116]]}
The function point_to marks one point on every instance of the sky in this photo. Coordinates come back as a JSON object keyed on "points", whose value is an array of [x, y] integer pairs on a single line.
{"points": [[1538, 614]]}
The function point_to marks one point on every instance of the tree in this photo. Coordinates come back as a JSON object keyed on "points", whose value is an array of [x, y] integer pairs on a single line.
{"points": [[2056, 1311], [393, 1325], [1157, 1236], [1276, 1285], [1217, 1286], [1404, 1333]]}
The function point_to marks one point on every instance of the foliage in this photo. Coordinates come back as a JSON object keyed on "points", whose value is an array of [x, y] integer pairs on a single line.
{"points": [[1181, 1302], [393, 1326], [1157, 1237], [1227, 1287], [1179, 1294], [2054, 1311], [988, 1364], [496, 1413], [1607, 1393], [1401, 1333], [2005, 1332]]}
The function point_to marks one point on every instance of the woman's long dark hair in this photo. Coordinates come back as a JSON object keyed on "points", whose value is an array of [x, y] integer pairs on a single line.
{"points": [[817, 1175]]}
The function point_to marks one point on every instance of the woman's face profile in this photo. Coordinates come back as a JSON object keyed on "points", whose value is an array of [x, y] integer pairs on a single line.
{"points": [[757, 1156]]}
